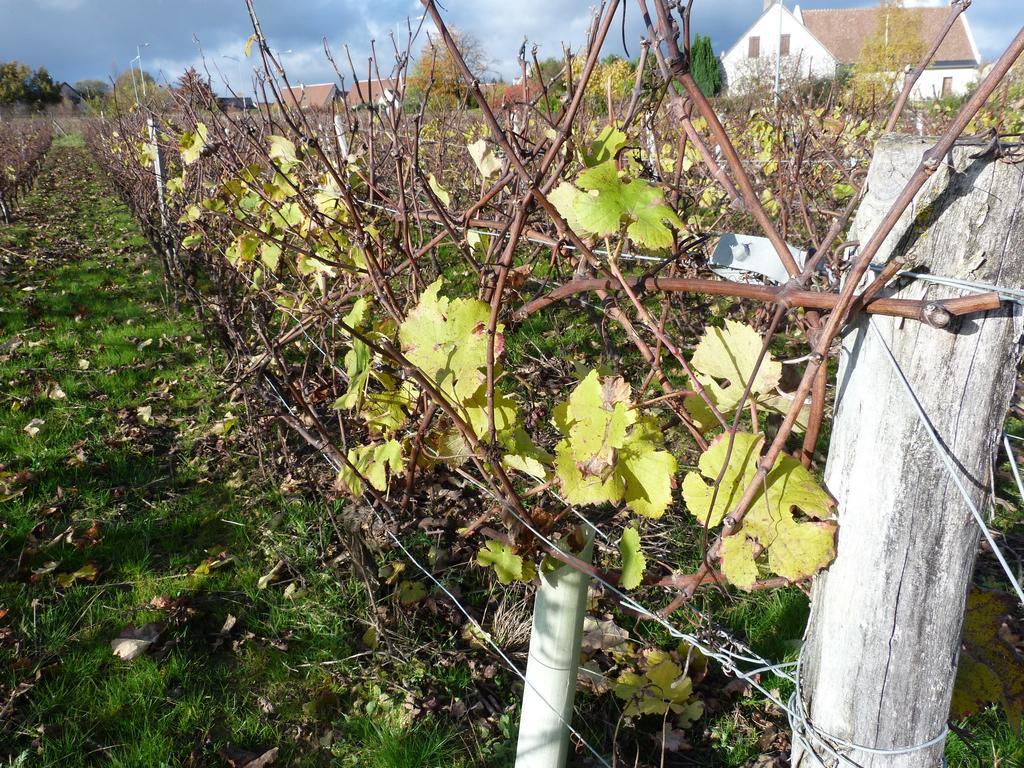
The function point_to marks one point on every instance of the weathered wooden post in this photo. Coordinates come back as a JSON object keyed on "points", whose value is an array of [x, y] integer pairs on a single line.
{"points": [[881, 647]]}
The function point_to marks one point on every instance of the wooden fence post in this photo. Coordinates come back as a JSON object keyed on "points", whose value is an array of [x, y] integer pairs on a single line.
{"points": [[881, 647]]}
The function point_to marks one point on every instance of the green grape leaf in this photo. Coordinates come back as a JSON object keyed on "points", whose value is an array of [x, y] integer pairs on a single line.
{"points": [[476, 412], [646, 470], [563, 197], [288, 215], [991, 668], [175, 185], [633, 561], [387, 411], [612, 201], [270, 255], [609, 454], [411, 592], [373, 463], [191, 145], [192, 214], [724, 360], [507, 564], [795, 550], [441, 192], [486, 161], [242, 249], [524, 456], [605, 147], [283, 151], [191, 241]]}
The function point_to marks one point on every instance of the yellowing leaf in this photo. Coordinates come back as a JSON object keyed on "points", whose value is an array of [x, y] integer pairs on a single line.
{"points": [[507, 564], [991, 668], [270, 255], [738, 562], [725, 359], [283, 151], [660, 689], [486, 161], [87, 572], [633, 561], [191, 145], [608, 455], [447, 340], [795, 550], [441, 192], [372, 462]]}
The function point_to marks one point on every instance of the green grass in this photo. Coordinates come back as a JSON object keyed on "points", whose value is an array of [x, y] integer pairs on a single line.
{"points": [[174, 523]]}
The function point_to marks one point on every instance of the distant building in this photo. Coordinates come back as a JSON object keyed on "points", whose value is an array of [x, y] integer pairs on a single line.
{"points": [[374, 93], [320, 96], [817, 44], [240, 103], [70, 98]]}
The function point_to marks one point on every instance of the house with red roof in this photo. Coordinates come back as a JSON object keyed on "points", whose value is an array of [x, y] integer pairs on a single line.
{"points": [[818, 43]]}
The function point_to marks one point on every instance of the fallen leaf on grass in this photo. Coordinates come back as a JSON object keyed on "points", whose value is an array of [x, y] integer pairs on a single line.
{"points": [[12, 484], [135, 641], [76, 458], [83, 364], [602, 635], [211, 564], [411, 592], [145, 414], [229, 624], [46, 568], [87, 572], [243, 758], [265, 579], [55, 392], [33, 427]]}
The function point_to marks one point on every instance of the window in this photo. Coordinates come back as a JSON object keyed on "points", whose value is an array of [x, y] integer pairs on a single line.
{"points": [[753, 47], [947, 87], [784, 46]]}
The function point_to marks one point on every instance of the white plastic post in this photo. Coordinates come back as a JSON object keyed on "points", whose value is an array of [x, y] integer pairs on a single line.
{"points": [[158, 172], [558, 613], [339, 132]]}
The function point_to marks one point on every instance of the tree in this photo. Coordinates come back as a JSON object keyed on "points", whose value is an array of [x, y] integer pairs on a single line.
{"points": [[895, 45], [705, 66], [130, 88], [435, 71], [92, 89], [13, 75], [195, 90], [20, 85], [40, 89]]}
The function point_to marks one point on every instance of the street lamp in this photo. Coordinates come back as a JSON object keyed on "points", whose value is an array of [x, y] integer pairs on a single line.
{"points": [[142, 74]]}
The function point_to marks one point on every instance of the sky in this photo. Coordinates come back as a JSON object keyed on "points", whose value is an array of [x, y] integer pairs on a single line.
{"points": [[80, 39]]}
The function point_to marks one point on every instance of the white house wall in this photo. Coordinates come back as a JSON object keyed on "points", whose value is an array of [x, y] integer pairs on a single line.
{"points": [[930, 84], [807, 56]]}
